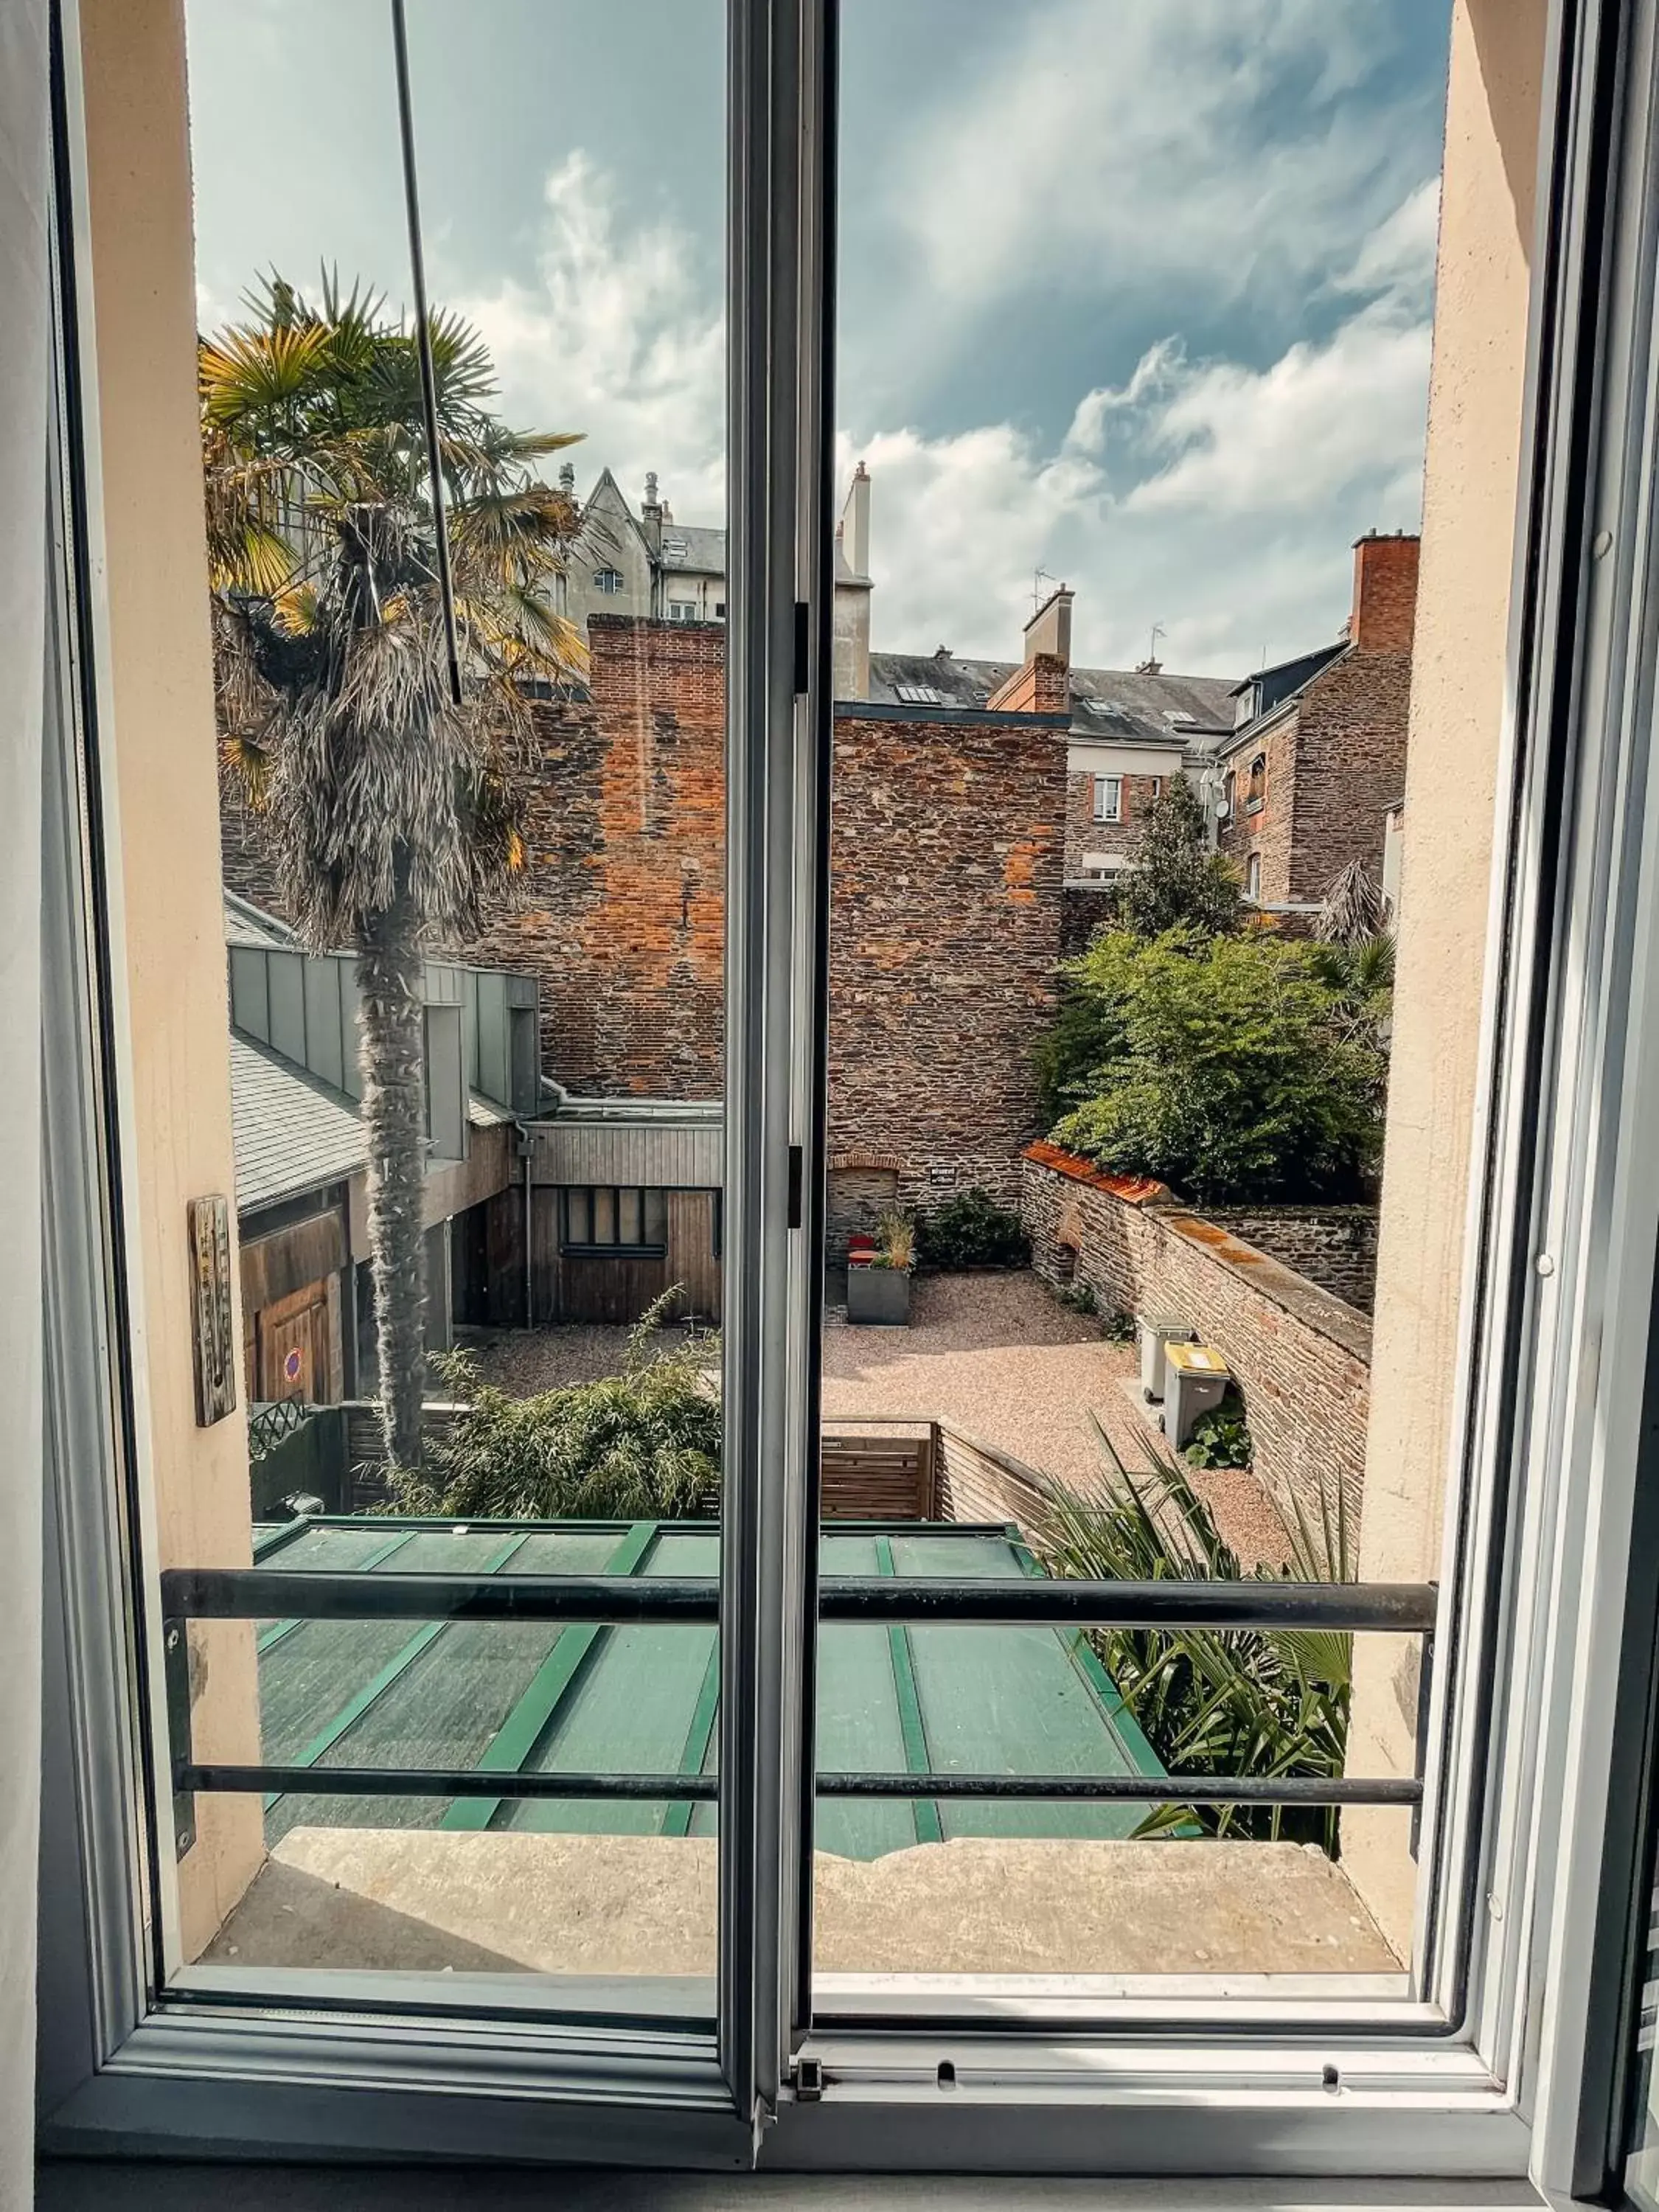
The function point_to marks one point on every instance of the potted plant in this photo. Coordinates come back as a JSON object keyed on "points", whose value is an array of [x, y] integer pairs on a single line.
{"points": [[878, 1291]]}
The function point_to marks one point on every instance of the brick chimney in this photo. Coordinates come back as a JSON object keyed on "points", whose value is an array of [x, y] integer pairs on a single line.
{"points": [[1042, 683], [1384, 592]]}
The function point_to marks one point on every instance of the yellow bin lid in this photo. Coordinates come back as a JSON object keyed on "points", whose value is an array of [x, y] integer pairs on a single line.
{"points": [[1198, 1359]]}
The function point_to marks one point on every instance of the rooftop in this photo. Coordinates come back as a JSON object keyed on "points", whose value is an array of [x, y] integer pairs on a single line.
{"points": [[1106, 702]]}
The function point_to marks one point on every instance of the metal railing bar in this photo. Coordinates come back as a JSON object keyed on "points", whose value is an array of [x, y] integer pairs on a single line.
{"points": [[1130, 1789], [260, 1594]]}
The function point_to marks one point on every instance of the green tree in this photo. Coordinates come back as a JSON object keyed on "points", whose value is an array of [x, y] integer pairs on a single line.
{"points": [[390, 809], [1227, 1067], [1178, 882]]}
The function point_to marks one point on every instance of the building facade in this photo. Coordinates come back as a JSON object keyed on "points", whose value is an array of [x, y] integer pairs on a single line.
{"points": [[1316, 761]]}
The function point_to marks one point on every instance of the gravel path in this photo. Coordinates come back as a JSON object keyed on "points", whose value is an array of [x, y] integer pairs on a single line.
{"points": [[997, 1354], [1000, 1357]]}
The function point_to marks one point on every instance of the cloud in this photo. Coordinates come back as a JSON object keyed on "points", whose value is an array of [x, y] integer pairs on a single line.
{"points": [[1115, 149], [1215, 499], [619, 336]]}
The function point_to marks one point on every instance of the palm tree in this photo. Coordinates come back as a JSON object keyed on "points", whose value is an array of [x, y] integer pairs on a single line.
{"points": [[390, 805]]}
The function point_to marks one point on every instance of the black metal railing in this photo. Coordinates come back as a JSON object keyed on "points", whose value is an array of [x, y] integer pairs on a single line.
{"points": [[264, 1594]]}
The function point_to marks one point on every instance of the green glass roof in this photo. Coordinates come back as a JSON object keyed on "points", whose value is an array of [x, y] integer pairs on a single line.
{"points": [[506, 1695]]}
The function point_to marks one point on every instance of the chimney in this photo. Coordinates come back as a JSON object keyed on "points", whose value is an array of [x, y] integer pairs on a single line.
{"points": [[1384, 592], [651, 514], [567, 480], [1050, 630], [850, 664], [1043, 683]]}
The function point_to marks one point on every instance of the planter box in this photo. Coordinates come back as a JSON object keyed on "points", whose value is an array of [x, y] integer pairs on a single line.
{"points": [[880, 1296]]}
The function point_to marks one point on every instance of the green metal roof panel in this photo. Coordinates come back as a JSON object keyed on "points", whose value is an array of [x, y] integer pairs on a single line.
{"points": [[506, 1695]]}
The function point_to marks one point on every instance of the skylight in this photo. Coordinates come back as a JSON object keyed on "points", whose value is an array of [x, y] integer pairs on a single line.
{"points": [[919, 695]]}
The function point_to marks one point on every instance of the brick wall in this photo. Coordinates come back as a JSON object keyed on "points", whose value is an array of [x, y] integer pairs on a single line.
{"points": [[1350, 767], [1269, 830], [1301, 1357], [1041, 686], [1083, 835], [947, 851], [945, 859], [1334, 1246], [624, 913]]}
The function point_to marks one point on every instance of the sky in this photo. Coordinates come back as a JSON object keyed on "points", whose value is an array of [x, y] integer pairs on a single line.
{"points": [[1134, 294]]}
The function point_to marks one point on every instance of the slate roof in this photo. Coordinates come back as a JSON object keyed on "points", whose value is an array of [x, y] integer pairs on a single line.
{"points": [[1276, 686], [1143, 704], [689, 546], [292, 1132], [247, 924]]}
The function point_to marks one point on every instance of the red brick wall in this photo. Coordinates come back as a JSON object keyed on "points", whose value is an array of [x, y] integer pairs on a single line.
{"points": [[1302, 1357], [1384, 594], [1042, 685], [946, 848], [624, 913]]}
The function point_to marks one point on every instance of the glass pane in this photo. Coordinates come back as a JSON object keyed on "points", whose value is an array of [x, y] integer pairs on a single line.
{"points": [[453, 747], [1130, 450]]}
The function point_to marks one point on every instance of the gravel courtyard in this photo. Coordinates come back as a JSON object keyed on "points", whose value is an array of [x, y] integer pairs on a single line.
{"points": [[996, 1354]]}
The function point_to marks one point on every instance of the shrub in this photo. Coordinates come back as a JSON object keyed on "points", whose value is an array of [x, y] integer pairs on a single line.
{"points": [[643, 1445], [1259, 1702], [971, 1231], [1220, 1437], [1229, 1066], [1079, 1296], [1121, 1328]]}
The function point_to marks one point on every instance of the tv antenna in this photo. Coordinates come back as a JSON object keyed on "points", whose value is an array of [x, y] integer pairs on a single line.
{"points": [[1038, 580]]}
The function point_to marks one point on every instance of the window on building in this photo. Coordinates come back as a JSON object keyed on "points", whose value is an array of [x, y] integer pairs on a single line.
{"points": [[600, 1217], [609, 580], [1253, 877], [1158, 787], [1229, 786], [919, 695], [1108, 798], [1255, 790], [684, 611], [719, 610]]}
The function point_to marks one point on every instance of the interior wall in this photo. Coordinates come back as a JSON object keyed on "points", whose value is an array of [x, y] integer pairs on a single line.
{"points": [[158, 727], [1473, 472]]}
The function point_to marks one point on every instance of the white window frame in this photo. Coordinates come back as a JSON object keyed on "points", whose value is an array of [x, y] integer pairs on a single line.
{"points": [[1108, 799], [1455, 2085]]}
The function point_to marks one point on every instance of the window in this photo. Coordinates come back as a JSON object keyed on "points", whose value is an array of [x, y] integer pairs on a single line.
{"points": [[684, 611], [1158, 787], [973, 1726], [1108, 798], [1253, 877], [1228, 786], [1255, 790], [609, 580], [919, 695], [616, 1222]]}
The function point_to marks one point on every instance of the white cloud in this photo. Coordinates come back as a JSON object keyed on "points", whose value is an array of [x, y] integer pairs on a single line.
{"points": [[1214, 498], [1138, 147], [617, 338]]}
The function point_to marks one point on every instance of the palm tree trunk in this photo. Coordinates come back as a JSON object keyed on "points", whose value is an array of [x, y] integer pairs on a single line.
{"points": [[391, 1035]]}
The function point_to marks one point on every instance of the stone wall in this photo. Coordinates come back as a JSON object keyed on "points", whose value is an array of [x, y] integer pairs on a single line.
{"points": [[1301, 1357], [1334, 1246], [1350, 767], [945, 857], [1268, 831]]}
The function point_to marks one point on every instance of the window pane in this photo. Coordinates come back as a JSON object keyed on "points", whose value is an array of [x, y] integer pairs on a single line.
{"points": [[1094, 1312], [438, 1294]]}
